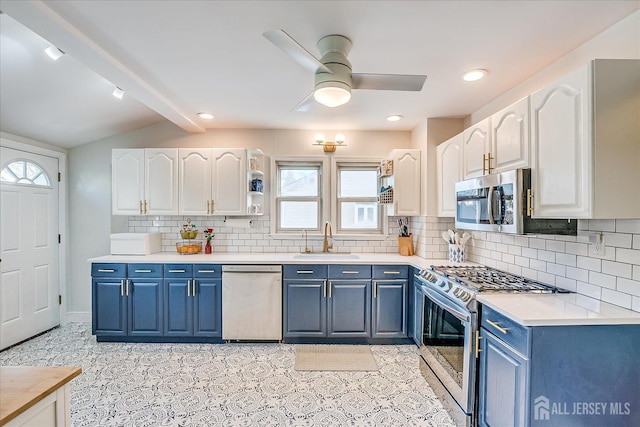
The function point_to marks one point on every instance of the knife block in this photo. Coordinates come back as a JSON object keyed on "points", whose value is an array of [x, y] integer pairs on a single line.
{"points": [[405, 245]]}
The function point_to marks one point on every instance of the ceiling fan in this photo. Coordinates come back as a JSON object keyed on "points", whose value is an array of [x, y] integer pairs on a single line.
{"points": [[333, 76]]}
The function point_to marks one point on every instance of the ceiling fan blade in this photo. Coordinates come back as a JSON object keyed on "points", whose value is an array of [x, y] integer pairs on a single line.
{"points": [[294, 50], [306, 104], [388, 81]]}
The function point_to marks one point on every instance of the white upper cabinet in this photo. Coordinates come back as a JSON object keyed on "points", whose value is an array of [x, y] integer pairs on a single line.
{"points": [[144, 181], [449, 167], [585, 133], [510, 137], [194, 178], [405, 182], [229, 174], [216, 181], [476, 146], [161, 181], [127, 181]]}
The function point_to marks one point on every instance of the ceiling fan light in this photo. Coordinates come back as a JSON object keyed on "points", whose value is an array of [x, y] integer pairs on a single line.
{"points": [[53, 52], [332, 96], [473, 75]]}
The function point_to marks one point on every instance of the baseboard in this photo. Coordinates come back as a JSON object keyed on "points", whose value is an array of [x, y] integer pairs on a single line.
{"points": [[78, 316]]}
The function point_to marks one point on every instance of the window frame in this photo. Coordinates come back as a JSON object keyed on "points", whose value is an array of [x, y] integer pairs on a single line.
{"points": [[352, 164]]}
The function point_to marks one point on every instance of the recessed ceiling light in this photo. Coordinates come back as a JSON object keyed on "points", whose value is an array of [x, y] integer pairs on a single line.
{"points": [[54, 53], [394, 117], [206, 116], [118, 93], [473, 75]]}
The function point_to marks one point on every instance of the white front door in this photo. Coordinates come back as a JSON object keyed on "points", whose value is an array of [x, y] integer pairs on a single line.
{"points": [[29, 279]]}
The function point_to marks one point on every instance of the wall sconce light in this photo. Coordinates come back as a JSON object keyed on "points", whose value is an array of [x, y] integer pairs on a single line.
{"points": [[330, 146]]}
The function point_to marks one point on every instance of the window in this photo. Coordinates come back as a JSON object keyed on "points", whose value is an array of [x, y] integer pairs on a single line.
{"points": [[24, 172], [298, 196], [357, 203]]}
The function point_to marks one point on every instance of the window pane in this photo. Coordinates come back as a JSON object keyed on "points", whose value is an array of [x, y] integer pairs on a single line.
{"points": [[355, 215], [358, 183], [299, 182], [298, 215]]}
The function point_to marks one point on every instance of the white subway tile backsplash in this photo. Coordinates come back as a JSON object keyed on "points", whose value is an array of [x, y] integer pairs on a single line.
{"points": [[589, 290], [631, 256], [556, 269], [577, 248], [603, 280], [568, 284], [636, 272], [617, 269], [589, 263], [529, 252], [636, 242], [628, 286], [546, 256], [537, 264], [602, 225], [555, 246], [536, 243], [628, 226], [578, 274], [617, 298], [566, 259], [619, 240]]}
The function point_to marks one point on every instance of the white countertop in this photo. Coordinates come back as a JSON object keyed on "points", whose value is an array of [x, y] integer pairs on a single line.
{"points": [[277, 258], [558, 309]]}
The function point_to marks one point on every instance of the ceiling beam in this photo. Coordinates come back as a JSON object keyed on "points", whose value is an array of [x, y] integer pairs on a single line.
{"points": [[41, 19]]}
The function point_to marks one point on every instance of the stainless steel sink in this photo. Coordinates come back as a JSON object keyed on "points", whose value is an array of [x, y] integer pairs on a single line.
{"points": [[326, 255]]}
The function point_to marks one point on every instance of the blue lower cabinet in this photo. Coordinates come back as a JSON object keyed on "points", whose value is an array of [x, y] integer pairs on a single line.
{"points": [[305, 308], [145, 308], [109, 307], [503, 384], [207, 308], [178, 308], [349, 308], [389, 308]]}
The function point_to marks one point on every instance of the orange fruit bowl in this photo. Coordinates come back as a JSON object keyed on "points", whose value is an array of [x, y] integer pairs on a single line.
{"points": [[189, 248]]}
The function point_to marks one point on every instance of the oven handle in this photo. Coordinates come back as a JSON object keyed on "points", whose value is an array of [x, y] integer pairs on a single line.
{"points": [[443, 304], [489, 207]]}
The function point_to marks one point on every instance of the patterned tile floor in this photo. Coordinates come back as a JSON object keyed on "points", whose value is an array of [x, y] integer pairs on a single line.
{"points": [[228, 384]]}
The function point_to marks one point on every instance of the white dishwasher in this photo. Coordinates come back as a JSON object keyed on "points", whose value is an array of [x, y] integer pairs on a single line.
{"points": [[252, 302]]}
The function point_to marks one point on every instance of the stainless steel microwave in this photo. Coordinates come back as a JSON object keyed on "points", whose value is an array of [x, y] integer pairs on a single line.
{"points": [[497, 203]]}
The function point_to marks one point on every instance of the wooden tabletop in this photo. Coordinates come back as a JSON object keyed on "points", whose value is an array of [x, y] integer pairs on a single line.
{"points": [[21, 387]]}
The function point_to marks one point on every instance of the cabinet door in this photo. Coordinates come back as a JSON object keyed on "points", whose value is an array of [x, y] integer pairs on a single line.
{"points": [[178, 303], [194, 181], [406, 182], [305, 308], [349, 308], [476, 144], [503, 384], [161, 181], [109, 307], [389, 305], [127, 181], [560, 133], [510, 137], [145, 307], [229, 186], [449, 167], [207, 311]]}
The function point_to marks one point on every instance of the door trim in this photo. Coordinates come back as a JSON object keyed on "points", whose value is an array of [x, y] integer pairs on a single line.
{"points": [[19, 143]]}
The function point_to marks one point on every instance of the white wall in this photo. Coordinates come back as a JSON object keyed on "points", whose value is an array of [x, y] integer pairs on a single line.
{"points": [[90, 191]]}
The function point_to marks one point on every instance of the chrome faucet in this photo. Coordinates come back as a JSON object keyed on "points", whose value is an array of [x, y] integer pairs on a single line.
{"points": [[306, 244], [325, 242]]}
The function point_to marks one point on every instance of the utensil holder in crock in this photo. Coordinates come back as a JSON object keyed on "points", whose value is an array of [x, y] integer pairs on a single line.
{"points": [[456, 253]]}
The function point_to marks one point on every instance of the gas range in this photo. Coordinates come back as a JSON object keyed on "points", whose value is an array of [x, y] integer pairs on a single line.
{"points": [[462, 283]]}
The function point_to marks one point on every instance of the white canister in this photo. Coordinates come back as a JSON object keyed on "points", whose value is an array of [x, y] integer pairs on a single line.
{"points": [[456, 253]]}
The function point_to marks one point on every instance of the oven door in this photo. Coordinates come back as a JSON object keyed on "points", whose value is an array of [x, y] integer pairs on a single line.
{"points": [[447, 346]]}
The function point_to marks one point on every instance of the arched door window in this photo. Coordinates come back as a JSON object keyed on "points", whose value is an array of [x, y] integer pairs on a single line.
{"points": [[24, 172]]}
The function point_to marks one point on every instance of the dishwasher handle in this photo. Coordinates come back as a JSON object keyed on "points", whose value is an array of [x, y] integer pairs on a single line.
{"points": [[252, 269]]}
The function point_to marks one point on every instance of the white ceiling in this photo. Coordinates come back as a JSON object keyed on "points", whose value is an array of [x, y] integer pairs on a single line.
{"points": [[177, 58]]}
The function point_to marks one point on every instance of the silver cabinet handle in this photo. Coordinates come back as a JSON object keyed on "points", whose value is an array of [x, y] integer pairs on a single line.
{"points": [[349, 272], [304, 271], [188, 288], [391, 272], [122, 287], [100, 270], [127, 281], [193, 291], [375, 289], [498, 327], [177, 271], [143, 271], [324, 289], [206, 271], [330, 285]]}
